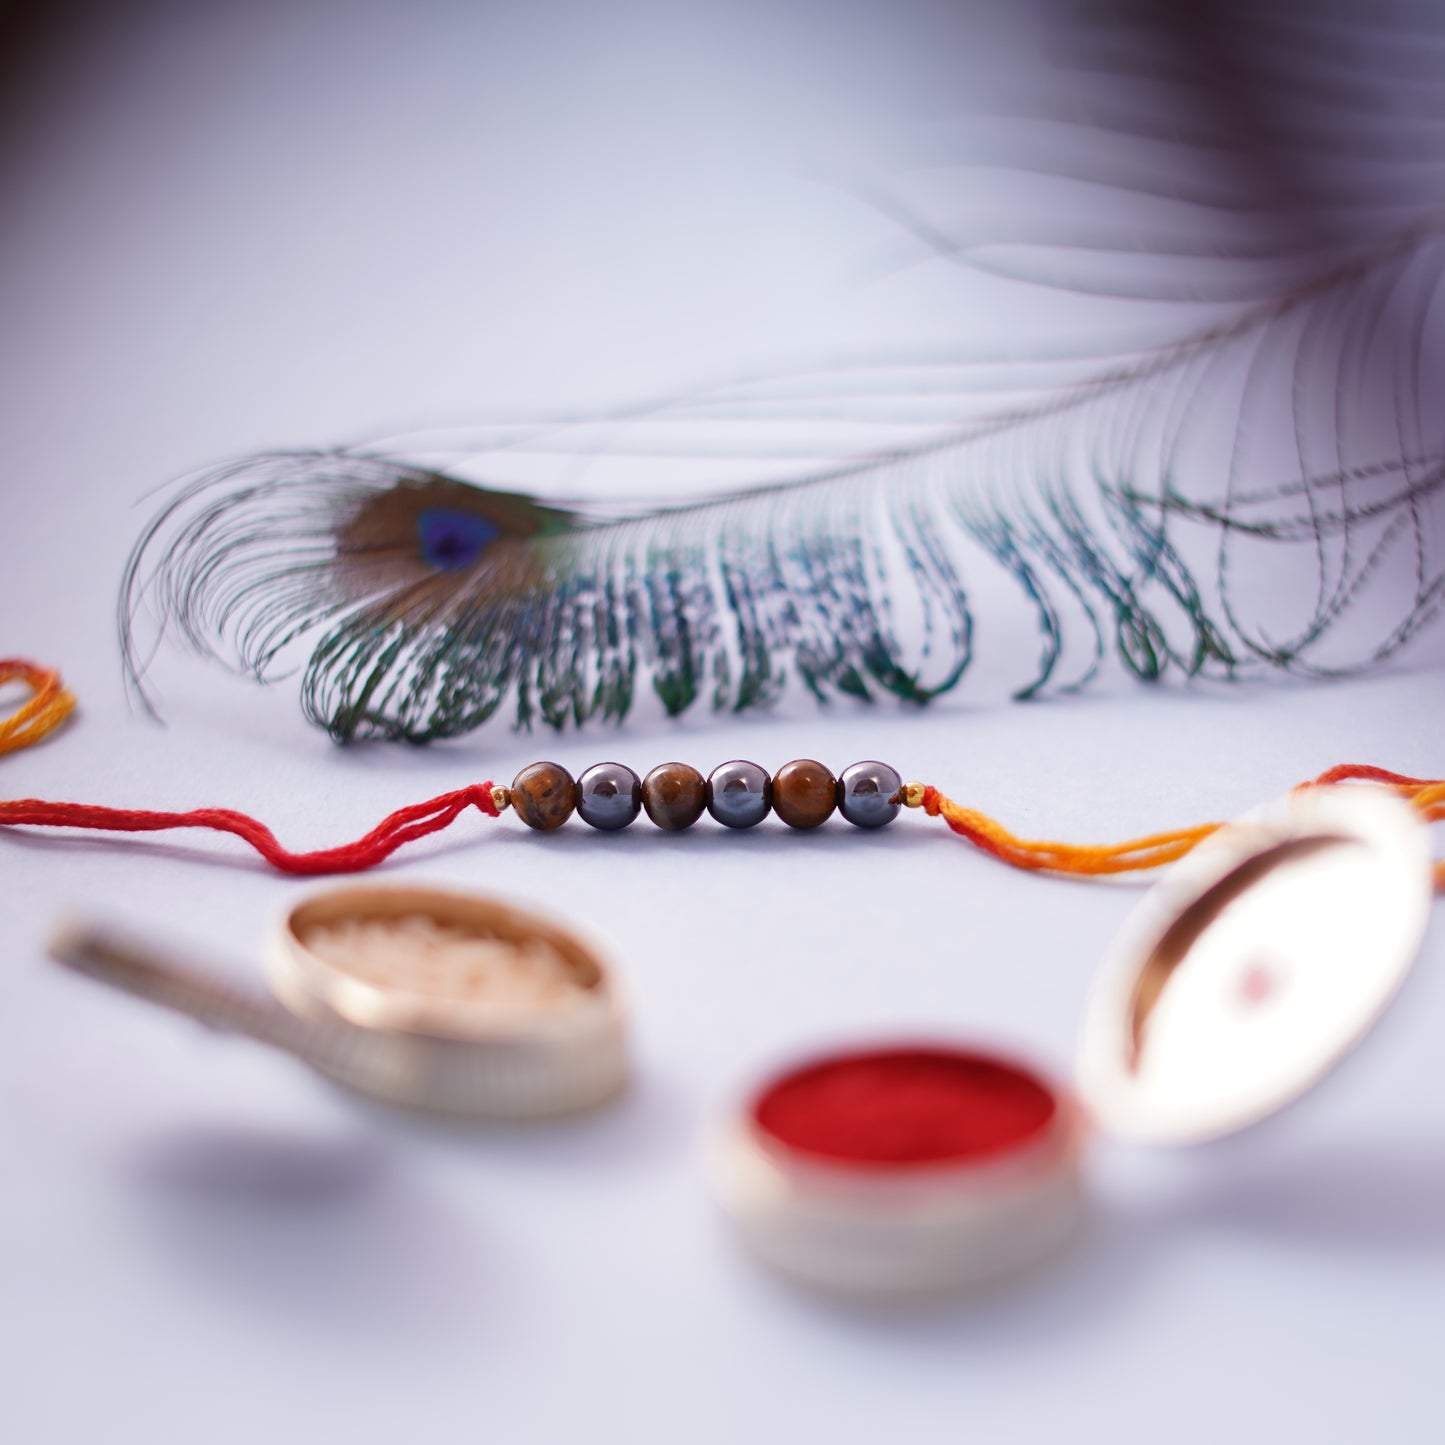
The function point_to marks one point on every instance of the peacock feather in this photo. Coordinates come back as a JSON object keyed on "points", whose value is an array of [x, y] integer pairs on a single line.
{"points": [[1244, 475]]}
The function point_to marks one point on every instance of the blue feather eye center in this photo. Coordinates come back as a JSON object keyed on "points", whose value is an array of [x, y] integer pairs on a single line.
{"points": [[452, 540]]}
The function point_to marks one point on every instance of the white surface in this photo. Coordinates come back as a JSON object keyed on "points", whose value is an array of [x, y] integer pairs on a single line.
{"points": [[233, 227]]}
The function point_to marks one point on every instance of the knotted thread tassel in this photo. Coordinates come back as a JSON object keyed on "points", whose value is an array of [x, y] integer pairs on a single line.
{"points": [[47, 709]]}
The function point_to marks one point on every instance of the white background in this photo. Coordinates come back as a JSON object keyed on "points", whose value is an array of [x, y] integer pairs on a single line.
{"points": [[226, 229]]}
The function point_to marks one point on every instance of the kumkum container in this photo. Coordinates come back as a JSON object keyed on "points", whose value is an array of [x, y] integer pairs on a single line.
{"points": [[435, 1000], [1262, 958], [451, 1001]]}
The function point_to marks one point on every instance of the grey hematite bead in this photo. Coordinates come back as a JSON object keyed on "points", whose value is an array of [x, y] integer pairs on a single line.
{"points": [[739, 794], [609, 796], [868, 794]]}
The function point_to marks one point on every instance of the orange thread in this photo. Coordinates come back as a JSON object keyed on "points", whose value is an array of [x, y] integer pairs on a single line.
{"points": [[45, 711], [1426, 795], [1082, 859]]}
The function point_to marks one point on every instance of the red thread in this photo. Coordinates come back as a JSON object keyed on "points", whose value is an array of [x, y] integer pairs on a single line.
{"points": [[1364, 773], [404, 826], [897, 1107]]}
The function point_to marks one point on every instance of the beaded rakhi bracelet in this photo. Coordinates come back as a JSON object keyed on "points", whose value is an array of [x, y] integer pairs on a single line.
{"points": [[609, 796], [679, 795]]}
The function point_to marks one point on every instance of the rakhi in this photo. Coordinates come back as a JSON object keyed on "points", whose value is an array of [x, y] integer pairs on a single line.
{"points": [[738, 794], [609, 796]]}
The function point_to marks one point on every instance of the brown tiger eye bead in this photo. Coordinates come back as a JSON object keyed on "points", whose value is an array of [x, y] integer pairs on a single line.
{"points": [[804, 793], [674, 796], [544, 796]]}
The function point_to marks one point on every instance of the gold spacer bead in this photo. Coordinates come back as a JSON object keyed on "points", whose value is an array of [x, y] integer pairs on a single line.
{"points": [[501, 798], [913, 795]]}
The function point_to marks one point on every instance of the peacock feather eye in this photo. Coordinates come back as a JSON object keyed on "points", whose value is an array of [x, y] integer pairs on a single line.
{"points": [[452, 540]]}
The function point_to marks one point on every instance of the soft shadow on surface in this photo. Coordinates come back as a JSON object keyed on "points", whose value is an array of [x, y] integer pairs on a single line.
{"points": [[1383, 1198], [316, 1234], [264, 1172], [1362, 1199], [649, 1122]]}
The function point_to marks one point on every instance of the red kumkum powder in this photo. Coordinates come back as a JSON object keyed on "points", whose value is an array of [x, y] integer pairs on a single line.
{"points": [[897, 1107]]}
